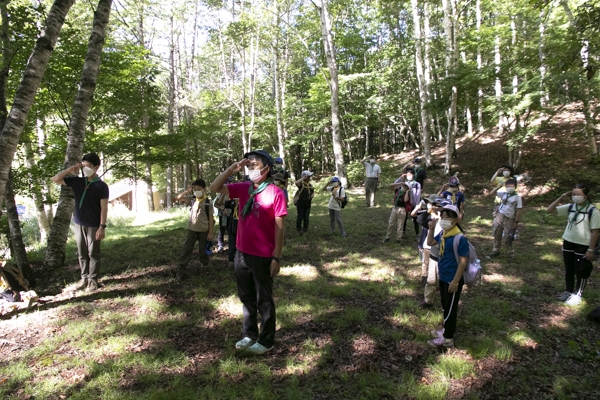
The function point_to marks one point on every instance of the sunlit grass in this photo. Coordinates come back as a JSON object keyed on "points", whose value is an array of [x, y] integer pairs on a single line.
{"points": [[450, 366]]}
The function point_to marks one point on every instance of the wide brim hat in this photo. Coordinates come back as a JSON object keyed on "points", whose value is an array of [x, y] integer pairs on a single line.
{"points": [[431, 198], [307, 173], [278, 176], [262, 153]]}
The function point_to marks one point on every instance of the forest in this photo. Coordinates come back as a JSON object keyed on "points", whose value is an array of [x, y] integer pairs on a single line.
{"points": [[170, 91]]}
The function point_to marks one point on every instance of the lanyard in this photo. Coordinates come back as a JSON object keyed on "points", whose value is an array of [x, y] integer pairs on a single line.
{"points": [[87, 186]]}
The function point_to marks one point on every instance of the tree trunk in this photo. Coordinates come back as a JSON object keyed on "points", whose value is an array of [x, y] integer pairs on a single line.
{"points": [[171, 113], [27, 90], [19, 254], [423, 95], [450, 28], [38, 198], [479, 68], [55, 252], [340, 164]]}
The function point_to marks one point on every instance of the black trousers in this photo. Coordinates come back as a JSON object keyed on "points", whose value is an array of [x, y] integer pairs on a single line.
{"points": [[255, 289], [303, 216], [416, 225], [576, 266], [231, 234], [450, 307]]}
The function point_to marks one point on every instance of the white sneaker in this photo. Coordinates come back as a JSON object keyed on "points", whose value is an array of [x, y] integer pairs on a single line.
{"points": [[244, 343], [574, 300], [564, 296]]}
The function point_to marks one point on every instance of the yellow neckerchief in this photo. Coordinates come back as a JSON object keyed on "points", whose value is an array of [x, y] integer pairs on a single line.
{"points": [[339, 191], [452, 232], [305, 185], [200, 201], [235, 212]]}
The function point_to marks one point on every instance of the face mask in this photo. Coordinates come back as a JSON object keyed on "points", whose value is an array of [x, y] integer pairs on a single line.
{"points": [[453, 189], [409, 177], [506, 173], [87, 171], [198, 193], [417, 165], [446, 224], [336, 184], [255, 175], [578, 199], [371, 160], [277, 182], [510, 190], [279, 166]]}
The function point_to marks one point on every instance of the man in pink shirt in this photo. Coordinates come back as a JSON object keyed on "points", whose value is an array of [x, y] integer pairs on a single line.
{"points": [[259, 241]]}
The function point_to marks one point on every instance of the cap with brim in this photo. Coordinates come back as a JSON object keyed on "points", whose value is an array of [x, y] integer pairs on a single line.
{"points": [[431, 198], [511, 182], [279, 160], [278, 176], [335, 179], [261, 153], [451, 207], [307, 173], [418, 159]]}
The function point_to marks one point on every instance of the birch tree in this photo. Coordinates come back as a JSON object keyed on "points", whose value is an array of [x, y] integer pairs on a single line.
{"points": [[55, 252], [25, 94], [336, 135]]}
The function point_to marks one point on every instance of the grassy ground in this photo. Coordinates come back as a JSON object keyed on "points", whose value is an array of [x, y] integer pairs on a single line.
{"points": [[349, 322]]}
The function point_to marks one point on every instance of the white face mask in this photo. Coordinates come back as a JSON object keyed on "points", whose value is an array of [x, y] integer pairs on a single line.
{"points": [[255, 175], [198, 193], [410, 177], [510, 189], [336, 184], [87, 171], [372, 160], [578, 199], [417, 165], [277, 182], [506, 173], [453, 189], [446, 224]]}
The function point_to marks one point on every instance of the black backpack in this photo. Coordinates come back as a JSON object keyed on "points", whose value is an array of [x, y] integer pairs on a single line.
{"points": [[344, 201]]}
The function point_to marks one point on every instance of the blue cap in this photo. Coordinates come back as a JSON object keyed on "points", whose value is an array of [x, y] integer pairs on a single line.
{"points": [[262, 153], [335, 179], [279, 160]]}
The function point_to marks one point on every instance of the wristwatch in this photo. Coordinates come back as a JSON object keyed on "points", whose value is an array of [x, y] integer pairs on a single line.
{"points": [[103, 226], [276, 259]]}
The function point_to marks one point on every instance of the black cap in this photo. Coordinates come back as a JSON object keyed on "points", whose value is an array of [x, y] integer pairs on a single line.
{"points": [[263, 153]]}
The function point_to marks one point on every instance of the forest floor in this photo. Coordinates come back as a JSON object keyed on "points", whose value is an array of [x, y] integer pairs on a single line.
{"points": [[349, 323]]}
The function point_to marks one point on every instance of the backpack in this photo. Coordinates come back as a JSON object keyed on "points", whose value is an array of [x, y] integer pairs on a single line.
{"points": [[589, 213], [407, 206], [473, 271], [344, 201]]}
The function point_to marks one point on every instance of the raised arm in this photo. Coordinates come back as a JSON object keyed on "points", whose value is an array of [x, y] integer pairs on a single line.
{"points": [[60, 177], [218, 185], [552, 207]]}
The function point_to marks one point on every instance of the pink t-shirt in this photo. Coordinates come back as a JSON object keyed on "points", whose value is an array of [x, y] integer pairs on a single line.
{"points": [[256, 231]]}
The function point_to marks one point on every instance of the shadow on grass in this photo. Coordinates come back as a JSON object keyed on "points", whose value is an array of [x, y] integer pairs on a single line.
{"points": [[348, 323]]}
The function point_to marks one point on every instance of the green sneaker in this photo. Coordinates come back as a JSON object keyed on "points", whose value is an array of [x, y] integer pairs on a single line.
{"points": [[259, 349], [244, 343]]}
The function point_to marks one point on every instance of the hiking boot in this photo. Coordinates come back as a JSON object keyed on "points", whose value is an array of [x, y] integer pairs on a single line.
{"points": [[438, 332], [259, 349], [441, 342], [387, 240], [574, 300], [564, 296], [79, 285], [92, 285], [425, 304], [244, 343]]}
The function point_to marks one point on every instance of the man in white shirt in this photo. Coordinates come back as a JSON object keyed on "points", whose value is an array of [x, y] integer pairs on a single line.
{"points": [[372, 171]]}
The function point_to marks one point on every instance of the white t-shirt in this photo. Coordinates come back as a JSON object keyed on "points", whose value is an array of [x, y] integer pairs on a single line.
{"points": [[333, 203], [372, 170], [509, 204], [579, 225]]}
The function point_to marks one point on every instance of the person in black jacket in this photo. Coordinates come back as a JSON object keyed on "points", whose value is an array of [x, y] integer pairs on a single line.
{"points": [[420, 174]]}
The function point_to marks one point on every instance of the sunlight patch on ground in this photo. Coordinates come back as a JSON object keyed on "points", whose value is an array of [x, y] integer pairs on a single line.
{"points": [[522, 339], [230, 305], [302, 272], [494, 277], [363, 345], [551, 257]]}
